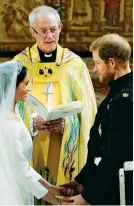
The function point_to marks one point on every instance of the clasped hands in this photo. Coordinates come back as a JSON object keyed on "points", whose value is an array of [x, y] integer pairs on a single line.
{"points": [[73, 194], [70, 192], [52, 126], [54, 191]]}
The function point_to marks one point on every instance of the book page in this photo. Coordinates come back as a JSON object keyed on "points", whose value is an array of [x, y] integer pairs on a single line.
{"points": [[36, 105], [63, 113], [59, 111], [67, 106]]}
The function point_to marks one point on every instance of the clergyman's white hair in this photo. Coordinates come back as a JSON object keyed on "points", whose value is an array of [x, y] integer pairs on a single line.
{"points": [[43, 11]]}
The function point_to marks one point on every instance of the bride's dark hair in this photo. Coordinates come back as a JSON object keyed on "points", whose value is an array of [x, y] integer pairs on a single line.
{"points": [[21, 76]]}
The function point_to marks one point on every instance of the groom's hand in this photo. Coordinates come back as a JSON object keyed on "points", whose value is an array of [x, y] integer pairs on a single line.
{"points": [[49, 197], [76, 200], [59, 191], [74, 188]]}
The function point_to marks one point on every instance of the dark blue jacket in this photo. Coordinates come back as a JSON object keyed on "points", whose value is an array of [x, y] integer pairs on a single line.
{"points": [[111, 139]]}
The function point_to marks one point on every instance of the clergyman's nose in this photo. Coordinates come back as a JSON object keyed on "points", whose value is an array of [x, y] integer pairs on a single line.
{"points": [[49, 34]]}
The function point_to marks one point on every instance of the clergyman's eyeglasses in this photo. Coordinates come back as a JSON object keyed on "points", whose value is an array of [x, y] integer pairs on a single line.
{"points": [[44, 32]]}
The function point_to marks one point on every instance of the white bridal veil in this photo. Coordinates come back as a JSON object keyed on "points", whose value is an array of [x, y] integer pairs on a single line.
{"points": [[9, 191]]}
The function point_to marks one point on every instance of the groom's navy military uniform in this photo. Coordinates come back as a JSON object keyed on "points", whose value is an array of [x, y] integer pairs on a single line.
{"points": [[110, 145]]}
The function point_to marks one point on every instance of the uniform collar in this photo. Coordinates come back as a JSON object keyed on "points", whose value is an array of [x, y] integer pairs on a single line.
{"points": [[118, 84]]}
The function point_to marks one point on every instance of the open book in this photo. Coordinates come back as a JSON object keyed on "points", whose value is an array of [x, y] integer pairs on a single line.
{"points": [[57, 112]]}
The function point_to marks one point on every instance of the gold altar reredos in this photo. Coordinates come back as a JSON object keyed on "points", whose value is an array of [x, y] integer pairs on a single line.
{"points": [[84, 20]]}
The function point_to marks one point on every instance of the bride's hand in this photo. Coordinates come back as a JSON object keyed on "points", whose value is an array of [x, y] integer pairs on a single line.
{"points": [[55, 190]]}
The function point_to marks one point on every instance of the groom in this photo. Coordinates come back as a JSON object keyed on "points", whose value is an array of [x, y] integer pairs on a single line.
{"points": [[111, 137]]}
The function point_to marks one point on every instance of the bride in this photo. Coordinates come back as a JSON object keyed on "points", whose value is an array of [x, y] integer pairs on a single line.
{"points": [[19, 182]]}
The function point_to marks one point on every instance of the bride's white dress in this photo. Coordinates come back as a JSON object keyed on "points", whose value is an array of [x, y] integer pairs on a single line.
{"points": [[18, 145], [8, 195]]}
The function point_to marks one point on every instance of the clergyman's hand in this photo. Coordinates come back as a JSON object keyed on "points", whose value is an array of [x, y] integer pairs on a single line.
{"points": [[38, 123], [55, 125], [52, 126]]}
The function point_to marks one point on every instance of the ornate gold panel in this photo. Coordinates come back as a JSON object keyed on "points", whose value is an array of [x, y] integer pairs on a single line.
{"points": [[88, 19]]}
